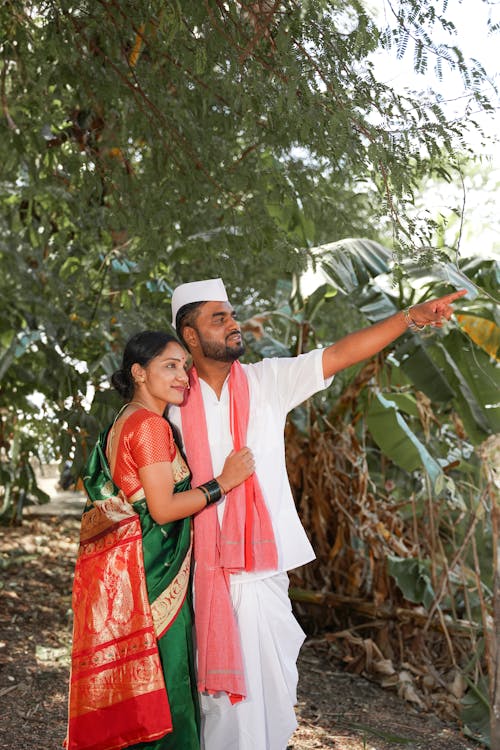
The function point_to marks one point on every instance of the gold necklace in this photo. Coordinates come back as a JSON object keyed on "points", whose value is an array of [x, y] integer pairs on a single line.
{"points": [[139, 403]]}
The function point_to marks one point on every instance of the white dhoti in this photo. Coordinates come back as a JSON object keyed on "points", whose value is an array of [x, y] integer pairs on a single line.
{"points": [[270, 636], [271, 639]]}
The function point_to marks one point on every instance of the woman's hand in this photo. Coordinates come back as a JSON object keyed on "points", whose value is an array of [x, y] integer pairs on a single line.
{"points": [[433, 311], [238, 466]]}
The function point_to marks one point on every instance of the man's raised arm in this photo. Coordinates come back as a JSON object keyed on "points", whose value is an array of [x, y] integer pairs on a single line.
{"points": [[366, 342]]}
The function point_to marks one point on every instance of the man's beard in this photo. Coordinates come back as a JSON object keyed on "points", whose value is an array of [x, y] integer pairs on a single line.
{"points": [[221, 352]]}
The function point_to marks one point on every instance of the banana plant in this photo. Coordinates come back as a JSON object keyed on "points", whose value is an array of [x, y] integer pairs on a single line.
{"points": [[423, 414], [456, 366]]}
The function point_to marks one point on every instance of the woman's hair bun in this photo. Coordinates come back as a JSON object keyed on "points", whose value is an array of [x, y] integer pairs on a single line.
{"points": [[122, 382]]}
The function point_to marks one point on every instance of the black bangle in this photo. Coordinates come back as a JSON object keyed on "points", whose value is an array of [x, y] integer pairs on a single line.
{"points": [[212, 491], [205, 492]]}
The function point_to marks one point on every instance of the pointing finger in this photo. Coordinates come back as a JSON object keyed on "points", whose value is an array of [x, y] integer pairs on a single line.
{"points": [[453, 296]]}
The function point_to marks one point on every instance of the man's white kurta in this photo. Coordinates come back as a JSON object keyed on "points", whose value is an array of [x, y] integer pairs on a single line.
{"points": [[266, 721]]}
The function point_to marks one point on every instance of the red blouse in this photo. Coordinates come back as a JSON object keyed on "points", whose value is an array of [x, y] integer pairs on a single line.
{"points": [[146, 438]]}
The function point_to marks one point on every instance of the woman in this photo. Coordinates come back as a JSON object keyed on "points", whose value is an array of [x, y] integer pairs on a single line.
{"points": [[132, 682]]}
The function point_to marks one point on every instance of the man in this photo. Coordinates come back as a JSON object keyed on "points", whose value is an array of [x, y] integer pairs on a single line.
{"points": [[247, 638]]}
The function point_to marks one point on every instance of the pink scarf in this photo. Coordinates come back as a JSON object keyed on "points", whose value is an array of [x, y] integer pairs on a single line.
{"points": [[245, 542]]}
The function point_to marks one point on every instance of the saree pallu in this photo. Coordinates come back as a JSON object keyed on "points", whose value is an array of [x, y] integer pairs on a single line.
{"points": [[132, 679]]}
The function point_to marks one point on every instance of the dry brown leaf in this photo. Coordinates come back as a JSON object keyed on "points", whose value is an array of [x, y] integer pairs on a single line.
{"points": [[458, 686], [384, 666], [406, 689]]}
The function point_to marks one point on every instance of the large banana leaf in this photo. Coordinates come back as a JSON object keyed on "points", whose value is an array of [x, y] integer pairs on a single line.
{"points": [[451, 369], [485, 333], [394, 438], [447, 366], [374, 303], [425, 375], [350, 263], [444, 272], [477, 379]]}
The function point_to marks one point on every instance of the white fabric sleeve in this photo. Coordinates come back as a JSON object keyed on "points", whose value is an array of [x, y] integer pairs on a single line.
{"points": [[293, 380]]}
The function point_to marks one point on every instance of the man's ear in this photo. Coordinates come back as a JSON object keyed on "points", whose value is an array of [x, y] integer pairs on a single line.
{"points": [[190, 336]]}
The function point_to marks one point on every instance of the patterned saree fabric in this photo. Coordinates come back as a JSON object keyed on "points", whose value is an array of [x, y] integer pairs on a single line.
{"points": [[130, 597]]}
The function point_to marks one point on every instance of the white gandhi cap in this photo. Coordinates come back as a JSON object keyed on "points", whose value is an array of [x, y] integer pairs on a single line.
{"points": [[210, 290]]}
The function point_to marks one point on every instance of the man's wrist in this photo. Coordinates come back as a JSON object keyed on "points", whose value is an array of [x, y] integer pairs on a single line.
{"points": [[410, 323]]}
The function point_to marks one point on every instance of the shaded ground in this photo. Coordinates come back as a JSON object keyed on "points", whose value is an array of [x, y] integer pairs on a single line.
{"points": [[336, 709]]}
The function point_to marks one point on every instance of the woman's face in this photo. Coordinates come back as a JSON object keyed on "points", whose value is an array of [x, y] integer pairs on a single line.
{"points": [[165, 378]]}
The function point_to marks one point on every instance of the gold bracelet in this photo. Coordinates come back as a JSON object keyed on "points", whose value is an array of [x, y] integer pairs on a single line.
{"points": [[410, 323]]}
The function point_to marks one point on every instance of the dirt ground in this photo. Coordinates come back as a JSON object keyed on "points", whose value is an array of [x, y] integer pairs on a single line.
{"points": [[335, 709]]}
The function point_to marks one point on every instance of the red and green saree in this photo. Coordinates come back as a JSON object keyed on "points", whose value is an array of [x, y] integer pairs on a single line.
{"points": [[132, 681]]}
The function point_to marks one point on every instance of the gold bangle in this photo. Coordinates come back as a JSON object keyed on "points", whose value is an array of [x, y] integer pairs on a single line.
{"points": [[410, 323]]}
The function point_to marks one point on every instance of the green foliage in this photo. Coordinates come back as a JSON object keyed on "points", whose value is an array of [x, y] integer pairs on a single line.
{"points": [[475, 712], [413, 578], [17, 476], [144, 144], [390, 431], [420, 420]]}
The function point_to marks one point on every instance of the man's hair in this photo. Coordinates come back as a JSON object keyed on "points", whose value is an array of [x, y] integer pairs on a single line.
{"points": [[186, 316]]}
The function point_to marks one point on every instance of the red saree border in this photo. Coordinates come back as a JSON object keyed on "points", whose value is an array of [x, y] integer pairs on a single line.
{"points": [[97, 730], [117, 691]]}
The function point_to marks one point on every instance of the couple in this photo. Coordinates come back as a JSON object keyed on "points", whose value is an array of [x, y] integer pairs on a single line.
{"points": [[133, 682]]}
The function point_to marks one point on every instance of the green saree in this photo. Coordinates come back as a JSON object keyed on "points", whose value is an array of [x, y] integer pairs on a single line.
{"points": [[132, 634]]}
